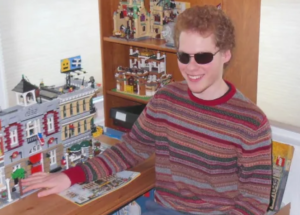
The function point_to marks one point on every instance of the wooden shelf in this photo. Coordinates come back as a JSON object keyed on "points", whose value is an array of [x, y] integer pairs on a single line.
{"points": [[147, 43], [126, 96]]}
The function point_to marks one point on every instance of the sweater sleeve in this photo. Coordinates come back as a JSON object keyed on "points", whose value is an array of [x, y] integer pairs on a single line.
{"points": [[255, 172], [134, 147]]}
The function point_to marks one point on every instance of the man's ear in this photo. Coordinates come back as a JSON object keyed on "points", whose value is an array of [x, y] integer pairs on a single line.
{"points": [[226, 56]]}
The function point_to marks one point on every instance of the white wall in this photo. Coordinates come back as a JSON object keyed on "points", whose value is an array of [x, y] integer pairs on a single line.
{"points": [[37, 34], [279, 55], [3, 94], [279, 80]]}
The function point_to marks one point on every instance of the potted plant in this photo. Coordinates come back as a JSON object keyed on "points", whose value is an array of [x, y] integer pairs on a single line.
{"points": [[97, 150]]}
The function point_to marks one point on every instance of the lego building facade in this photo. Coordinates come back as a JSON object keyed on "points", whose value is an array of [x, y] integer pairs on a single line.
{"points": [[77, 114], [49, 129], [30, 136]]}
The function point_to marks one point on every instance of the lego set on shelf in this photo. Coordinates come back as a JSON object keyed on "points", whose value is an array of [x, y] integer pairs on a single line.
{"points": [[132, 21], [50, 129], [145, 75]]}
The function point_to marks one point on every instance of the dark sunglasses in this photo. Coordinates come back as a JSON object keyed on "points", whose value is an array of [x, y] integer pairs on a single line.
{"points": [[200, 58]]}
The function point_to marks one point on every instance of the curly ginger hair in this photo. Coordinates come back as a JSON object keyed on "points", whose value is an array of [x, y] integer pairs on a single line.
{"points": [[206, 20]]}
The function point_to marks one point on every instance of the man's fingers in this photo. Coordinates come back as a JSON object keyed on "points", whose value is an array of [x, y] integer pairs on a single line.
{"points": [[40, 174], [33, 177], [46, 192], [33, 181], [36, 186]]}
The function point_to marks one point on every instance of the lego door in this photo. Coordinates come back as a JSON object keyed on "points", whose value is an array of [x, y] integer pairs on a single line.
{"points": [[36, 163]]}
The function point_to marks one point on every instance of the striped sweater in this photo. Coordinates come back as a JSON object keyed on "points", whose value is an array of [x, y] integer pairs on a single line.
{"points": [[212, 157]]}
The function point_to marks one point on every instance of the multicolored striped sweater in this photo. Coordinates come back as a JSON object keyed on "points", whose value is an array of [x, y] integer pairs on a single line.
{"points": [[212, 157]]}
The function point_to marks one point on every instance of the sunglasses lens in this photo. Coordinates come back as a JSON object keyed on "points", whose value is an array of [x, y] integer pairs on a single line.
{"points": [[204, 58], [183, 57]]}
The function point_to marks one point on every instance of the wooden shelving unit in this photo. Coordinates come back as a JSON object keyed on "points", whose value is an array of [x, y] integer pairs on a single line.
{"points": [[242, 71], [148, 43], [127, 96]]}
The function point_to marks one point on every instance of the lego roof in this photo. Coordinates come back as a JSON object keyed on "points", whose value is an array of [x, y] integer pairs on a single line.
{"points": [[24, 86]]}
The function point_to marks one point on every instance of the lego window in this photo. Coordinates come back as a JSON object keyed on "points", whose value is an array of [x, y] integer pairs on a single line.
{"points": [[78, 128], [32, 128], [50, 123], [121, 15], [29, 98], [13, 135], [71, 109], [53, 157], [66, 132], [144, 28], [84, 105], [64, 111], [85, 127], [71, 130], [77, 107], [21, 99], [143, 18]]}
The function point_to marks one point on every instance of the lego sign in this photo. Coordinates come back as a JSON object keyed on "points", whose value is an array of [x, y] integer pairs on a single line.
{"points": [[70, 64]]}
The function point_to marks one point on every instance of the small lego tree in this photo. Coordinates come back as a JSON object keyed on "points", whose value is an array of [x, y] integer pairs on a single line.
{"points": [[18, 174]]}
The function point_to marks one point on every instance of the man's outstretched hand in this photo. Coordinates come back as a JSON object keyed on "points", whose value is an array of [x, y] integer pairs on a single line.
{"points": [[52, 182]]}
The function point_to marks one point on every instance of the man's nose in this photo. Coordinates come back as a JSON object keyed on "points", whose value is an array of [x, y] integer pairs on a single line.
{"points": [[192, 64]]}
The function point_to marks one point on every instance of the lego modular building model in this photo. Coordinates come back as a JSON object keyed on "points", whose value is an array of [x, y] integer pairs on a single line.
{"points": [[48, 130], [145, 75], [133, 22]]}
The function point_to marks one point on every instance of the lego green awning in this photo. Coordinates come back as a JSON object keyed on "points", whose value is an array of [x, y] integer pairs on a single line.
{"points": [[75, 148], [85, 143]]}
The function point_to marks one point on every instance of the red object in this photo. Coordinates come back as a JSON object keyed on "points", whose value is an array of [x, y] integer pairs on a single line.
{"points": [[36, 169], [147, 194], [15, 154], [71, 126], [51, 140], [280, 161], [75, 174], [125, 10], [35, 158], [63, 162]]}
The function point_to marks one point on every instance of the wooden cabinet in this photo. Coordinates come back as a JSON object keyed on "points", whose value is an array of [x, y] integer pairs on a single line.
{"points": [[241, 71]]}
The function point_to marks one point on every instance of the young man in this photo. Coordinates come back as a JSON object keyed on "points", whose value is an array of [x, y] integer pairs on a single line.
{"points": [[212, 145]]}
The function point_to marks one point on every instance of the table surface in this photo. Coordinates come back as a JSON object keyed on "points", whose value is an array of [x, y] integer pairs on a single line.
{"points": [[55, 204]]}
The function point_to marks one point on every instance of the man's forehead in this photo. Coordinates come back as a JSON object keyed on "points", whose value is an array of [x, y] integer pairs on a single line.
{"points": [[196, 42]]}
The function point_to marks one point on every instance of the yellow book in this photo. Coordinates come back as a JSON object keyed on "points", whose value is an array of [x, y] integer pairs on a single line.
{"points": [[282, 159]]}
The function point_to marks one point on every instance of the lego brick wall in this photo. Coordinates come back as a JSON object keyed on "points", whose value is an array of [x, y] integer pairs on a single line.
{"points": [[36, 35]]}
